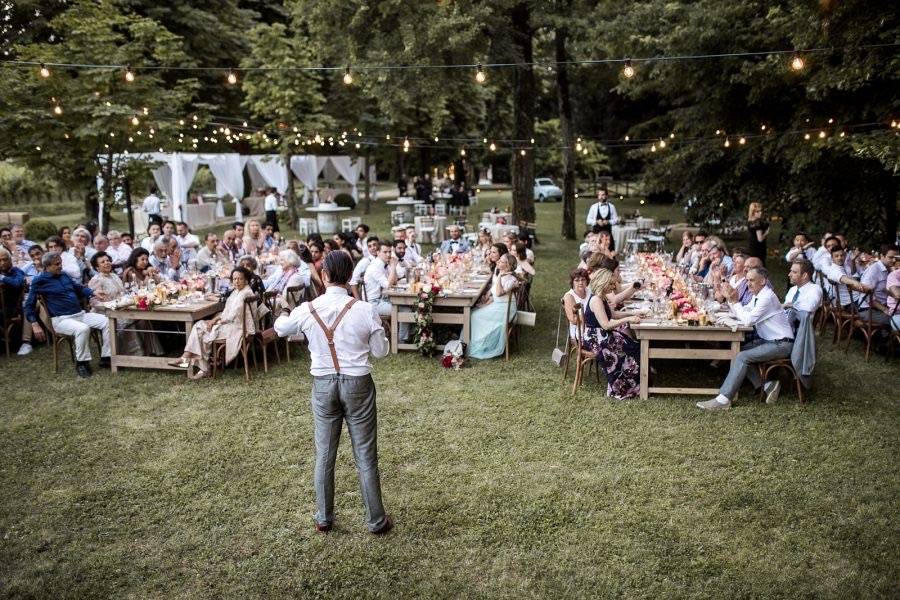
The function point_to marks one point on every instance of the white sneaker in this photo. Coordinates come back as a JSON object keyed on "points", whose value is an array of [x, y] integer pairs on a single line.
{"points": [[25, 349], [772, 393], [714, 404]]}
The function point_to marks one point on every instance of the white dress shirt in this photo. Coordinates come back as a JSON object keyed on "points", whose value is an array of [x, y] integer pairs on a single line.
{"points": [[71, 266], [147, 243], [359, 333], [360, 269], [807, 297], [151, 204], [271, 202], [603, 211], [188, 241], [875, 277], [120, 254], [375, 280], [765, 313], [414, 253]]}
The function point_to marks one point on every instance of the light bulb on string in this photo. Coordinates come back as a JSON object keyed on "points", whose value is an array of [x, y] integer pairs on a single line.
{"points": [[480, 75], [57, 110], [662, 143], [231, 78], [522, 152], [44, 71], [129, 74], [797, 63], [406, 143], [135, 121], [627, 138], [742, 141], [462, 151], [806, 137], [653, 148], [727, 143], [387, 137], [532, 140], [628, 69], [762, 127], [672, 136], [348, 78], [578, 147], [245, 123], [585, 151], [493, 147], [436, 139], [821, 135], [842, 134], [357, 145]]}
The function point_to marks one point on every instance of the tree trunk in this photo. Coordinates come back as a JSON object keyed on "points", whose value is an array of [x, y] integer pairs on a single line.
{"points": [[401, 163], [292, 206], [565, 128], [367, 187], [126, 192], [523, 108]]}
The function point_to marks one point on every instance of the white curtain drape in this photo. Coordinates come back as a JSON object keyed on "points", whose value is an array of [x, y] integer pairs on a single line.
{"points": [[347, 169], [307, 169], [271, 168], [162, 175]]}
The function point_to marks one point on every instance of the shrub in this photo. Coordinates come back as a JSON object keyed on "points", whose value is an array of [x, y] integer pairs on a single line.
{"points": [[38, 230], [19, 185], [345, 200]]}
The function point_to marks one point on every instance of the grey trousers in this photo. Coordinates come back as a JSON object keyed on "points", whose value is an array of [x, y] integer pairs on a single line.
{"points": [[878, 317], [336, 398], [757, 351]]}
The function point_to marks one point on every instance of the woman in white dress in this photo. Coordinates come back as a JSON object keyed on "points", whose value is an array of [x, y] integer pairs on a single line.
{"points": [[488, 338], [226, 326]]}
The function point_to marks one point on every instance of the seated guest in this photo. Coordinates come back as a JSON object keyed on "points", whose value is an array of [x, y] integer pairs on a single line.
{"points": [[607, 336], [154, 232], [346, 242], [229, 325], [211, 255], [526, 239], [604, 244], [804, 295], [166, 263], [874, 282], [837, 283], [485, 243], [255, 282], [232, 246], [36, 254], [489, 318], [18, 236], [65, 234], [292, 272], [739, 268], [118, 250], [744, 294], [893, 290], [63, 300], [71, 265], [128, 239], [372, 245], [362, 233], [774, 339], [271, 237], [168, 229], [497, 250], [802, 248], [254, 238], [138, 271], [455, 244], [684, 258], [188, 243], [822, 257], [413, 248], [403, 265], [306, 267], [108, 286], [525, 268], [579, 293], [317, 251], [12, 282], [380, 275]]}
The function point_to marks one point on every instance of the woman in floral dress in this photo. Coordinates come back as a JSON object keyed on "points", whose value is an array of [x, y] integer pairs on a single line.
{"points": [[607, 335]]}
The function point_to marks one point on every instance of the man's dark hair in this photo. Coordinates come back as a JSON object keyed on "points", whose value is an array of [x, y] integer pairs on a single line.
{"points": [[339, 267], [318, 244], [248, 276], [364, 227], [805, 237], [35, 247], [885, 248], [153, 189], [169, 222], [830, 238], [96, 257], [268, 224], [701, 233], [237, 224], [398, 242], [805, 266], [738, 251], [385, 244], [55, 239], [210, 234], [372, 238], [183, 223]]}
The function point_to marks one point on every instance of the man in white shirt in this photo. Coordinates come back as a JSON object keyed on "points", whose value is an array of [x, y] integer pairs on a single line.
{"points": [[804, 295], [413, 248], [151, 206], [603, 214], [802, 248], [380, 275], [118, 250], [187, 241], [362, 233], [775, 339], [271, 208], [342, 333], [372, 245], [208, 256]]}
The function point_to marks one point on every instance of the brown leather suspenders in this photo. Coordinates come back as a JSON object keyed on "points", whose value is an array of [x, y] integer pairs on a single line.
{"points": [[329, 331]]}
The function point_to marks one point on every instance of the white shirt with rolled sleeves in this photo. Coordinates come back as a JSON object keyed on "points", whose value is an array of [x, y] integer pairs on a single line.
{"points": [[359, 334], [271, 202], [765, 313], [809, 299], [375, 280], [875, 277], [360, 269], [595, 213], [151, 205]]}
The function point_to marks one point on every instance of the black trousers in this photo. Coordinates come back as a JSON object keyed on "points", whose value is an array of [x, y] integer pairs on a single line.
{"points": [[272, 217]]}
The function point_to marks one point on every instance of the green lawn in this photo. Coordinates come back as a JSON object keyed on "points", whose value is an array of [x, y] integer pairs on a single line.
{"points": [[501, 483]]}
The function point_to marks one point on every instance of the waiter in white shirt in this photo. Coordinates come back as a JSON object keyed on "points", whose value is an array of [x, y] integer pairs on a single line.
{"points": [[775, 339], [342, 332], [151, 206], [271, 208], [603, 214]]}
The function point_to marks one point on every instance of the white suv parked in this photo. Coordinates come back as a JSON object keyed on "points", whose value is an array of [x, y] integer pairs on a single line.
{"points": [[545, 189]]}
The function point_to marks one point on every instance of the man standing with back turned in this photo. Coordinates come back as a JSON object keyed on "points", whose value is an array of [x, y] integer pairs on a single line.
{"points": [[342, 332]]}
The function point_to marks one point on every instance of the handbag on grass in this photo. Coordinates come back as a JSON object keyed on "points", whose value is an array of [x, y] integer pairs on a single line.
{"points": [[558, 356]]}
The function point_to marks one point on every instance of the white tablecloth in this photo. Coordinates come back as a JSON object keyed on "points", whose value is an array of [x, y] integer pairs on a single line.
{"points": [[439, 233], [491, 217], [498, 230], [621, 234]]}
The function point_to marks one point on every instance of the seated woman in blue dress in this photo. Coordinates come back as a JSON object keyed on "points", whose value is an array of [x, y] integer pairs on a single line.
{"points": [[488, 328], [606, 334]]}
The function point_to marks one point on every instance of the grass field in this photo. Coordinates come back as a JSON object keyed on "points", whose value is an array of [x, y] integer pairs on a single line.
{"points": [[501, 483]]}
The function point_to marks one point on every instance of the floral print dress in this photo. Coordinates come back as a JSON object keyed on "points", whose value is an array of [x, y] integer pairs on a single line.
{"points": [[617, 353]]}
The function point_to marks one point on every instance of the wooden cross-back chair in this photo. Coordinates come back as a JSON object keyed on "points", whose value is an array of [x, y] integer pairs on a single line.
{"points": [[865, 325], [247, 348], [58, 339], [583, 358], [12, 315], [511, 332]]}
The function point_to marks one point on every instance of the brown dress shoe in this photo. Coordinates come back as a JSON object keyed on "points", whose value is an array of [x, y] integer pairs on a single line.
{"points": [[388, 525], [323, 527]]}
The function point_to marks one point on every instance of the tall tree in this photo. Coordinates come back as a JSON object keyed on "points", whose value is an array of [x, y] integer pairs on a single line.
{"points": [[523, 107]]}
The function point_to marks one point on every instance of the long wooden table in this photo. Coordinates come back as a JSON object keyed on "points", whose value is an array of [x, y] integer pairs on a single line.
{"points": [[649, 332], [462, 301], [181, 314]]}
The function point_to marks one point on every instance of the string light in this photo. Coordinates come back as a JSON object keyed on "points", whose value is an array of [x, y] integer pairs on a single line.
{"points": [[480, 75], [762, 127], [821, 135], [742, 141], [406, 144], [462, 151], [232, 78], [578, 147], [628, 69], [493, 147], [806, 137], [129, 75], [135, 121], [727, 143], [662, 143], [45, 72], [653, 148], [672, 136], [797, 63], [627, 138], [57, 110], [436, 139], [348, 78], [522, 152]]}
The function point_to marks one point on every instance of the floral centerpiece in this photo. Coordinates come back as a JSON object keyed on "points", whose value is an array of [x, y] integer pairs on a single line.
{"points": [[424, 333]]}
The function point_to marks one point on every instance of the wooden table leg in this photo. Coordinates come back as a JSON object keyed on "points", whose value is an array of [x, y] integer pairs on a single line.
{"points": [[467, 321], [645, 369], [113, 345], [395, 328]]}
